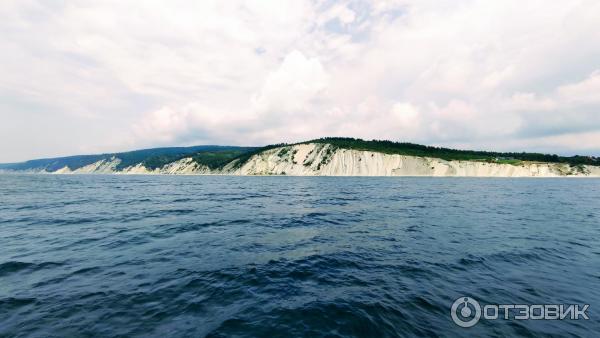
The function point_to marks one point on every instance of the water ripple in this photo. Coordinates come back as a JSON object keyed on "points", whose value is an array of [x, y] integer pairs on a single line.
{"points": [[220, 256]]}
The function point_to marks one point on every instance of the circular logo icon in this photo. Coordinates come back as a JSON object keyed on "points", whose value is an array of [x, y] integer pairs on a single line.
{"points": [[465, 312]]}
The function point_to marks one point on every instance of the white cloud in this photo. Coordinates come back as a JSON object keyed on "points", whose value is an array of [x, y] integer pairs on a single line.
{"points": [[288, 96], [405, 114], [507, 74], [339, 12], [584, 92], [288, 89]]}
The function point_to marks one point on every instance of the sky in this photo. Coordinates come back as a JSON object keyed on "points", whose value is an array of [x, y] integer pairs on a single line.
{"points": [[81, 77]]}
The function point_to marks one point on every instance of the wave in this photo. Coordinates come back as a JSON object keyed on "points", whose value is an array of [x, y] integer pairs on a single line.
{"points": [[11, 267]]}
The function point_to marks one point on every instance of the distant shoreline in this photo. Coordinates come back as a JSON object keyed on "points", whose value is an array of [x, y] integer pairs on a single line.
{"points": [[323, 157]]}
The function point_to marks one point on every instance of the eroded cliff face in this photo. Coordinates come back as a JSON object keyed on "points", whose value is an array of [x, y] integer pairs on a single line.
{"points": [[326, 160], [100, 167], [185, 166]]}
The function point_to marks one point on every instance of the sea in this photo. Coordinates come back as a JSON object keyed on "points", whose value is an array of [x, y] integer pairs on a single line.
{"points": [[230, 256]]}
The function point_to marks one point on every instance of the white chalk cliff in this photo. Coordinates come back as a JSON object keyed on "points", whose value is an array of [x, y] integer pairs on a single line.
{"points": [[318, 159]]}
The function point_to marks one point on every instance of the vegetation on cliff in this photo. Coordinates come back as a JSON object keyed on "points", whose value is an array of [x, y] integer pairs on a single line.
{"points": [[240, 160], [150, 158], [217, 157], [411, 149]]}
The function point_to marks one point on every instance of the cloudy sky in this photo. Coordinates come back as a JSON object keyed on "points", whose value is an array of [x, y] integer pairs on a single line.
{"points": [[101, 76]]}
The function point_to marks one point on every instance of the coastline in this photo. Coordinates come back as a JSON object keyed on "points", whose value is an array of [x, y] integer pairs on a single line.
{"points": [[321, 159]]}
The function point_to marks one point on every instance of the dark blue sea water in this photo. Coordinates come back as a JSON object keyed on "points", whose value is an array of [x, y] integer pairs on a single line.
{"points": [[193, 256]]}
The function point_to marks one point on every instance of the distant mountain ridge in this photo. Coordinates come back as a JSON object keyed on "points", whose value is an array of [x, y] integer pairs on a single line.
{"points": [[152, 157], [325, 156]]}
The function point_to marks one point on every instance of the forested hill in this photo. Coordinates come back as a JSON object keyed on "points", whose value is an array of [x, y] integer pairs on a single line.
{"points": [[216, 157], [150, 158]]}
